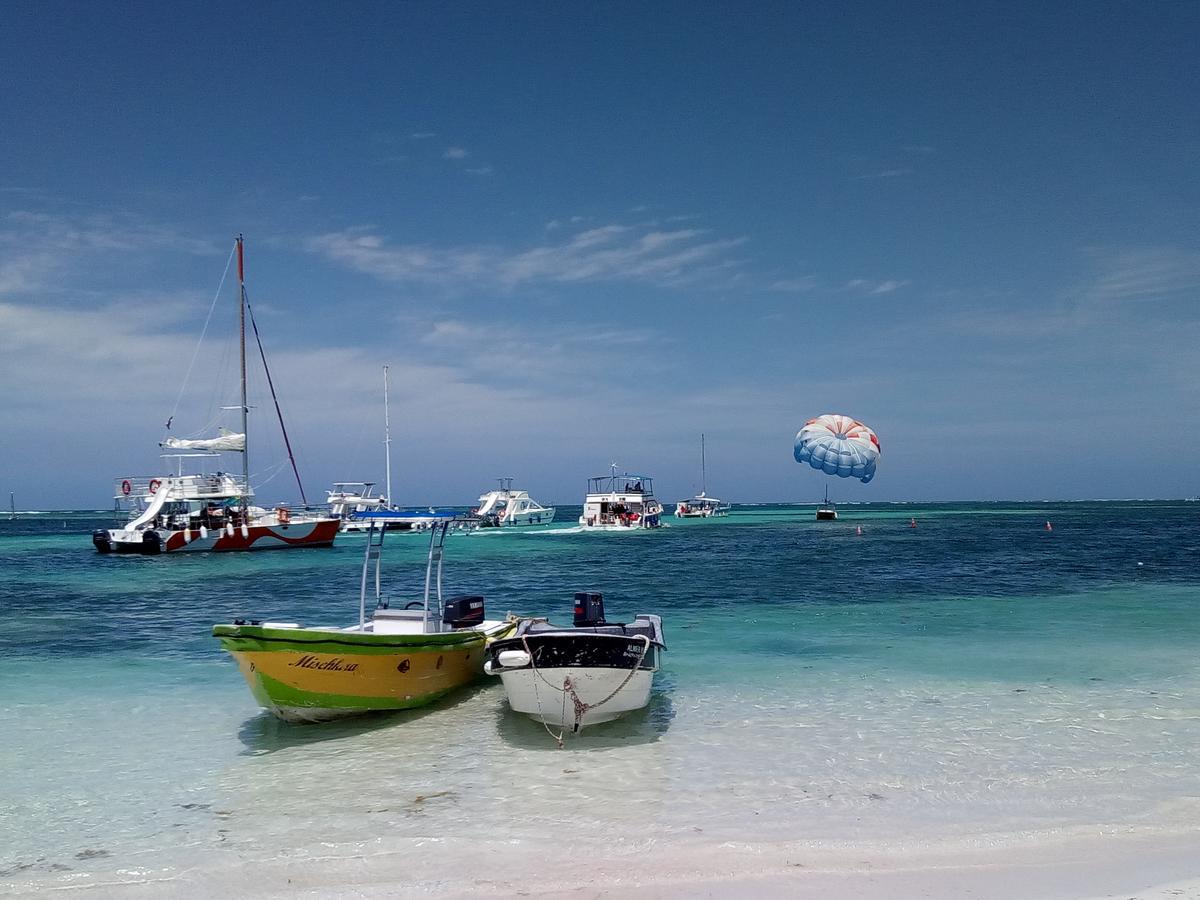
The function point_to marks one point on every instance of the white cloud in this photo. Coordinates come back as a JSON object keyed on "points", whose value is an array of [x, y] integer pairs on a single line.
{"points": [[482, 170], [867, 286], [455, 153], [1146, 272], [885, 173], [795, 285], [609, 252]]}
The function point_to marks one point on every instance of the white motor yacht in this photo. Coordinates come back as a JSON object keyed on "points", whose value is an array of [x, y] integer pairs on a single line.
{"points": [[505, 507], [620, 503]]}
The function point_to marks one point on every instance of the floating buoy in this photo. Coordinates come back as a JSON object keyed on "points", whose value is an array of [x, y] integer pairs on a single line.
{"points": [[912, 523], [858, 530], [1049, 527]]}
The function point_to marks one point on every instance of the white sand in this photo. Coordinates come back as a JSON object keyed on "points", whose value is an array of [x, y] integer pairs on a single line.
{"points": [[1115, 866]]}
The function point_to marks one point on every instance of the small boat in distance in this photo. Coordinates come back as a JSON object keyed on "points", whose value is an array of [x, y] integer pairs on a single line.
{"points": [[350, 497], [826, 511], [701, 506], [620, 503], [212, 512], [505, 507], [404, 655], [12, 507], [572, 677]]}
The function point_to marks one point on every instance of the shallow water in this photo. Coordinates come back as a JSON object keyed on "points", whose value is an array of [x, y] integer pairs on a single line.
{"points": [[977, 675]]}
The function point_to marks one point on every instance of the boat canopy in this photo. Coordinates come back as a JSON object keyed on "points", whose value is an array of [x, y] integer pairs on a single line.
{"points": [[628, 483]]}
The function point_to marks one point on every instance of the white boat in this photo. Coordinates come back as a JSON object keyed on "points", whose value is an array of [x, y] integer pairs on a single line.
{"points": [[350, 497], [701, 506], [620, 503], [592, 672], [203, 512], [505, 507], [826, 511]]}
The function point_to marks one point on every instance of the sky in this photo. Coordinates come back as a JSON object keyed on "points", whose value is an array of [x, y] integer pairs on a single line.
{"points": [[581, 234]]}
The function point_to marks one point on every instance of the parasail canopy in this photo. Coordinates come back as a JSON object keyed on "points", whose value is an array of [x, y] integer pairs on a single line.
{"points": [[838, 445]]}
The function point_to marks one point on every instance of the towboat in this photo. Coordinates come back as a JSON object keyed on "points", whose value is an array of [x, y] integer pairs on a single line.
{"points": [[827, 510], [592, 672], [620, 503], [398, 656], [505, 507]]}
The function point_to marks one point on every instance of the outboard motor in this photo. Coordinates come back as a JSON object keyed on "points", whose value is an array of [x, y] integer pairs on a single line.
{"points": [[101, 540], [589, 609], [151, 542], [464, 611]]}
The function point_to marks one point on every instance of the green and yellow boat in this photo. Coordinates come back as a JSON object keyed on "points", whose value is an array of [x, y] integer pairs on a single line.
{"points": [[395, 658]]}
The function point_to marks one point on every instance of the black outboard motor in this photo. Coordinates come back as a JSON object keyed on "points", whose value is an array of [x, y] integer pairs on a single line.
{"points": [[101, 541], [589, 609], [464, 611], [151, 542]]}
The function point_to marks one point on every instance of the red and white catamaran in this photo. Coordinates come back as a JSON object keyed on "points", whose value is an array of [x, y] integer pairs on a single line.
{"points": [[211, 512]]}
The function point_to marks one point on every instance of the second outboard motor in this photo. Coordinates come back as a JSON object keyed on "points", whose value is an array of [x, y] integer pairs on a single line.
{"points": [[464, 611], [589, 609]]}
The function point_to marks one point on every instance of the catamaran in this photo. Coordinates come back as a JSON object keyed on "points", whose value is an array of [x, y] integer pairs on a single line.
{"points": [[620, 503], [701, 506], [199, 512], [399, 656], [505, 507]]}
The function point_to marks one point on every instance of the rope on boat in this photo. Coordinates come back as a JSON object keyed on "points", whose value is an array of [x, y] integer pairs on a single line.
{"points": [[568, 689], [203, 332]]}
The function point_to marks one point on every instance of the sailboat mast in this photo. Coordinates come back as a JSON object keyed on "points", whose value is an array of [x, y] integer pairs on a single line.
{"points": [[703, 477], [387, 437], [242, 344]]}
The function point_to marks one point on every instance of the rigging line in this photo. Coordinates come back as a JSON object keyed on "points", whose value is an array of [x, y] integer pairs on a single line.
{"points": [[203, 332], [278, 412]]}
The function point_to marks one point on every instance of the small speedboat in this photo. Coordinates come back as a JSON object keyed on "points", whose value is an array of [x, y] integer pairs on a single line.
{"points": [[400, 656], [592, 672]]}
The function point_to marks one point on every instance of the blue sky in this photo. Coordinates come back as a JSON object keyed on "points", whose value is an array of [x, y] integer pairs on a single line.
{"points": [[586, 233]]}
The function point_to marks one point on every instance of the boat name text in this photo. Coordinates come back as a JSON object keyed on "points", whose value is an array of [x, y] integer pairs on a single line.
{"points": [[330, 665]]}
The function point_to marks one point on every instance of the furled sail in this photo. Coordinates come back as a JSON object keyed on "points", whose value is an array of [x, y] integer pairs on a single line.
{"points": [[226, 441]]}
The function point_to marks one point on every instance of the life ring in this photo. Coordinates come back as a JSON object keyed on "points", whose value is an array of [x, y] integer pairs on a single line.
{"points": [[126, 487], [154, 485]]}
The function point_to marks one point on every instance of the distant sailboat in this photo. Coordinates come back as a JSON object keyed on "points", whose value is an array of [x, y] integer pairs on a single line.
{"points": [[701, 506], [12, 507]]}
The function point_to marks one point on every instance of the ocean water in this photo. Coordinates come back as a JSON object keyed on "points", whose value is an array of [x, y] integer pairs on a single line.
{"points": [[978, 678]]}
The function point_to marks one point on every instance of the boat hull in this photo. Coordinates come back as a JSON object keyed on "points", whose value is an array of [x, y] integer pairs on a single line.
{"points": [[319, 533], [543, 700], [311, 675]]}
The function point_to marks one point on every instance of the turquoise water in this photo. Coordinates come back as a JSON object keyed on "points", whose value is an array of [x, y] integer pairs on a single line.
{"points": [[977, 677]]}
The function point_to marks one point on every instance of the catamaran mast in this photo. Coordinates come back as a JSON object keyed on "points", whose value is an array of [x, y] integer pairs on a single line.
{"points": [[387, 438], [703, 484], [242, 343]]}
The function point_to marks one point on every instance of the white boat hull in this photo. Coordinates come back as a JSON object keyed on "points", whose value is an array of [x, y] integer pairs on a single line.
{"points": [[528, 693]]}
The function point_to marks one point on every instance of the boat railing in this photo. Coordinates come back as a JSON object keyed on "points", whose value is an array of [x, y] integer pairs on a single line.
{"points": [[220, 485]]}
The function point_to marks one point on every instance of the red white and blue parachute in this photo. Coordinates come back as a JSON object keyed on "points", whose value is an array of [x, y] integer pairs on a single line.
{"points": [[838, 445]]}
